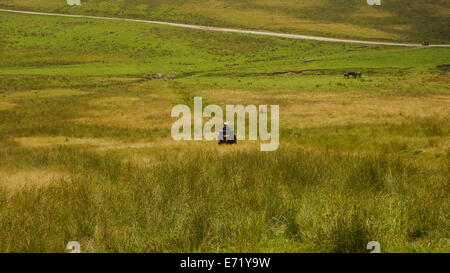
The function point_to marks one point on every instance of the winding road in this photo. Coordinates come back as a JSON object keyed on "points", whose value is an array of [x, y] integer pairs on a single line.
{"points": [[229, 30]]}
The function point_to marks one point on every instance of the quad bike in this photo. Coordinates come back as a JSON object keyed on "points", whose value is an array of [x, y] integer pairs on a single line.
{"points": [[227, 136]]}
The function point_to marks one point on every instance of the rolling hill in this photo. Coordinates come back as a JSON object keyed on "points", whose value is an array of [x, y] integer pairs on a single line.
{"points": [[86, 152], [395, 20]]}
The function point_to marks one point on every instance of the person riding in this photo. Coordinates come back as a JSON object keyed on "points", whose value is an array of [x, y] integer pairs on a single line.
{"points": [[226, 135]]}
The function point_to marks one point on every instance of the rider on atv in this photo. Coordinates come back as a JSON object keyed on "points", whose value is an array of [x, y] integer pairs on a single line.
{"points": [[226, 135]]}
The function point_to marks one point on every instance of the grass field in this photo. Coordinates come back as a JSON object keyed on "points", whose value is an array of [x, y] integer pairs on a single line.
{"points": [[395, 20], [86, 152]]}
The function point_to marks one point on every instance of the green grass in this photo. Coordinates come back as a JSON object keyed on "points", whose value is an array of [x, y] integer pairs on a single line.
{"points": [[256, 202], [399, 20], [360, 159]]}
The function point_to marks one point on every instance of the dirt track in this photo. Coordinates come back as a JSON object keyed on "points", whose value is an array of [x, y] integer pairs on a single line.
{"points": [[231, 30]]}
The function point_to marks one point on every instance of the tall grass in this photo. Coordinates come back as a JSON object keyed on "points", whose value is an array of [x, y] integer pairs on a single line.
{"points": [[291, 200], [120, 184]]}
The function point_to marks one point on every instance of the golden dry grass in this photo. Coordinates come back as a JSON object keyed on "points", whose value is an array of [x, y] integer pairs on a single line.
{"points": [[33, 142], [16, 180], [321, 109], [44, 93], [267, 19], [129, 112], [6, 105]]}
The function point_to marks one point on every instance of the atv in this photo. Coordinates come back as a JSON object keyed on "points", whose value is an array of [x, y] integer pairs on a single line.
{"points": [[227, 136]]}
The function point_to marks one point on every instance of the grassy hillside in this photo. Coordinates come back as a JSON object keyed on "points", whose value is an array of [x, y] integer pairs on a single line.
{"points": [[86, 152], [395, 20]]}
